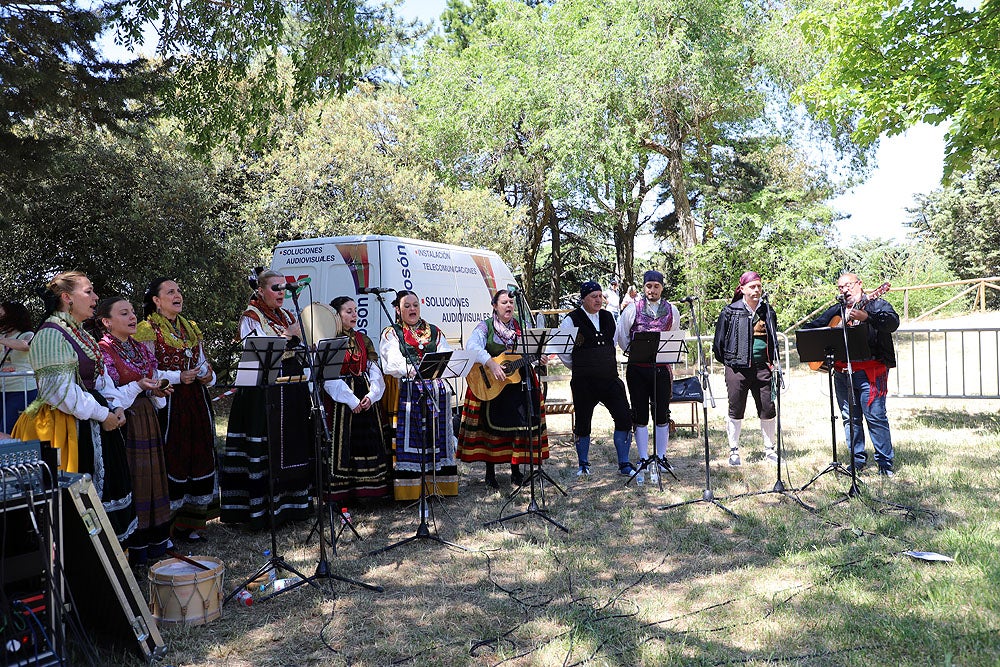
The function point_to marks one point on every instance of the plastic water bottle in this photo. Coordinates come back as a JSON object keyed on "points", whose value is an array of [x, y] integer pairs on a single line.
{"points": [[282, 584], [245, 598], [345, 516]]}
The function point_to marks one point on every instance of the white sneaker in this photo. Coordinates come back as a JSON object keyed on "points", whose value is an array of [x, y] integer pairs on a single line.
{"points": [[734, 458], [583, 470], [771, 456]]}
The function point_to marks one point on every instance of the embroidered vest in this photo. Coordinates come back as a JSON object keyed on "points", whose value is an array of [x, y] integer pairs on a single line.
{"points": [[662, 321]]}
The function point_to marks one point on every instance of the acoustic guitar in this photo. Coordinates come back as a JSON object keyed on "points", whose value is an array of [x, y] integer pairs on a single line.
{"points": [[485, 387], [836, 321]]}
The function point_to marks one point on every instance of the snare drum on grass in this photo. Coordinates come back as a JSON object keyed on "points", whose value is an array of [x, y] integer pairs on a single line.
{"points": [[181, 593]]}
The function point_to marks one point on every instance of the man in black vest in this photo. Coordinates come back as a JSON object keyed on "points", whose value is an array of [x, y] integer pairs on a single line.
{"points": [[595, 376]]}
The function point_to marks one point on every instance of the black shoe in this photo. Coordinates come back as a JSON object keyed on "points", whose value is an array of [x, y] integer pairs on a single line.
{"points": [[491, 477], [516, 476]]}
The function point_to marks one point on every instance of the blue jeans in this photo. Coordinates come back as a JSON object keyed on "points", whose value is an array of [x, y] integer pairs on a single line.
{"points": [[874, 415]]}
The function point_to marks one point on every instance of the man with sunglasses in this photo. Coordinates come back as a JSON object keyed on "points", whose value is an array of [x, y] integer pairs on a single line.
{"points": [[870, 377]]}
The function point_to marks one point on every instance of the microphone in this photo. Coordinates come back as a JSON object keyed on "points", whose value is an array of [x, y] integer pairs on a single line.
{"points": [[841, 298], [297, 284], [689, 299], [375, 290], [763, 297]]}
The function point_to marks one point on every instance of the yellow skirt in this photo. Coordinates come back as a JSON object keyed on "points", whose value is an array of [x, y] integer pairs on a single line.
{"points": [[55, 427]]}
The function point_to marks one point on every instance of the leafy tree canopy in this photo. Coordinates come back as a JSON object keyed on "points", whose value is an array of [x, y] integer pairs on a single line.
{"points": [[885, 65], [351, 166], [235, 64], [126, 210], [960, 219], [51, 72]]}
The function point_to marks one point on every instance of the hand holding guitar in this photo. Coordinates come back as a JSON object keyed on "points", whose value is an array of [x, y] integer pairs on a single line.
{"points": [[496, 369]]}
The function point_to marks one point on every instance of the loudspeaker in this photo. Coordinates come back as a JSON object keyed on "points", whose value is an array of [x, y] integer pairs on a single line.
{"points": [[105, 594]]}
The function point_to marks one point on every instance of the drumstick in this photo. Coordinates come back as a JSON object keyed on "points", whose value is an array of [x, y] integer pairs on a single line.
{"points": [[187, 560]]}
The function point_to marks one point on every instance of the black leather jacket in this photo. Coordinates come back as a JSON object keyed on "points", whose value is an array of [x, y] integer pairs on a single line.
{"points": [[733, 344], [882, 321]]}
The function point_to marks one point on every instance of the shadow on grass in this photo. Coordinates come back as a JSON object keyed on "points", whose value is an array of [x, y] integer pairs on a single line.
{"points": [[953, 419]]}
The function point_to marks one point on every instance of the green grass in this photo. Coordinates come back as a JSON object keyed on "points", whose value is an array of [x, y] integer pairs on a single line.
{"points": [[632, 584]]}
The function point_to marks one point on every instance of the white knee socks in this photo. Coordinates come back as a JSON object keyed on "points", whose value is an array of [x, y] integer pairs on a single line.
{"points": [[642, 441], [769, 428], [733, 428], [662, 438]]}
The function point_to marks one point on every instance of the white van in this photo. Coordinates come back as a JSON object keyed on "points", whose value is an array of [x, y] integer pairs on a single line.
{"points": [[455, 284]]}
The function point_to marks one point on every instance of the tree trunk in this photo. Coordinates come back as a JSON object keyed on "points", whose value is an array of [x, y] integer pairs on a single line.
{"points": [[552, 222], [678, 186]]}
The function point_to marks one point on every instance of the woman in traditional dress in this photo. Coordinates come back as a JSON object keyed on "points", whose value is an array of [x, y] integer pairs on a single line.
{"points": [[133, 368], [424, 434], [71, 412], [359, 457], [15, 334], [265, 422], [186, 422], [497, 431]]}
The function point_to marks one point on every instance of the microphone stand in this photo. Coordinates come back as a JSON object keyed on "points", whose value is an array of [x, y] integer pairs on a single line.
{"points": [[321, 441], [854, 490], [423, 530], [777, 384], [707, 496], [534, 445]]}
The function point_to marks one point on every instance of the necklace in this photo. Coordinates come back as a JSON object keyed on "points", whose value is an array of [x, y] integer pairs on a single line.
{"points": [[87, 342], [129, 351], [419, 334], [176, 334], [277, 318]]}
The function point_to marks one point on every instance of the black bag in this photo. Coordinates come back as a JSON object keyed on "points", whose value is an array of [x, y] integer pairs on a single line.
{"points": [[687, 389]]}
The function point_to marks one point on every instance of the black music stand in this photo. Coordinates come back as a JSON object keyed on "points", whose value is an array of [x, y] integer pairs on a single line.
{"points": [[532, 343], [707, 496], [328, 357], [657, 348], [830, 344], [325, 361], [259, 366], [433, 366]]}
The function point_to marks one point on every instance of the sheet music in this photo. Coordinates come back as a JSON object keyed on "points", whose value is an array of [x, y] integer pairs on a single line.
{"points": [[460, 364], [560, 341], [669, 347], [249, 371]]}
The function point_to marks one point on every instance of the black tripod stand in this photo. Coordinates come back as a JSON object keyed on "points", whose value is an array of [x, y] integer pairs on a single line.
{"points": [[657, 349], [830, 344], [707, 496], [262, 357], [835, 466], [424, 372], [532, 343], [327, 358], [777, 386]]}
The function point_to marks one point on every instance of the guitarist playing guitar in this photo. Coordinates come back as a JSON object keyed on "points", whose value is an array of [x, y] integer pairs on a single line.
{"points": [[495, 426], [870, 376]]}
